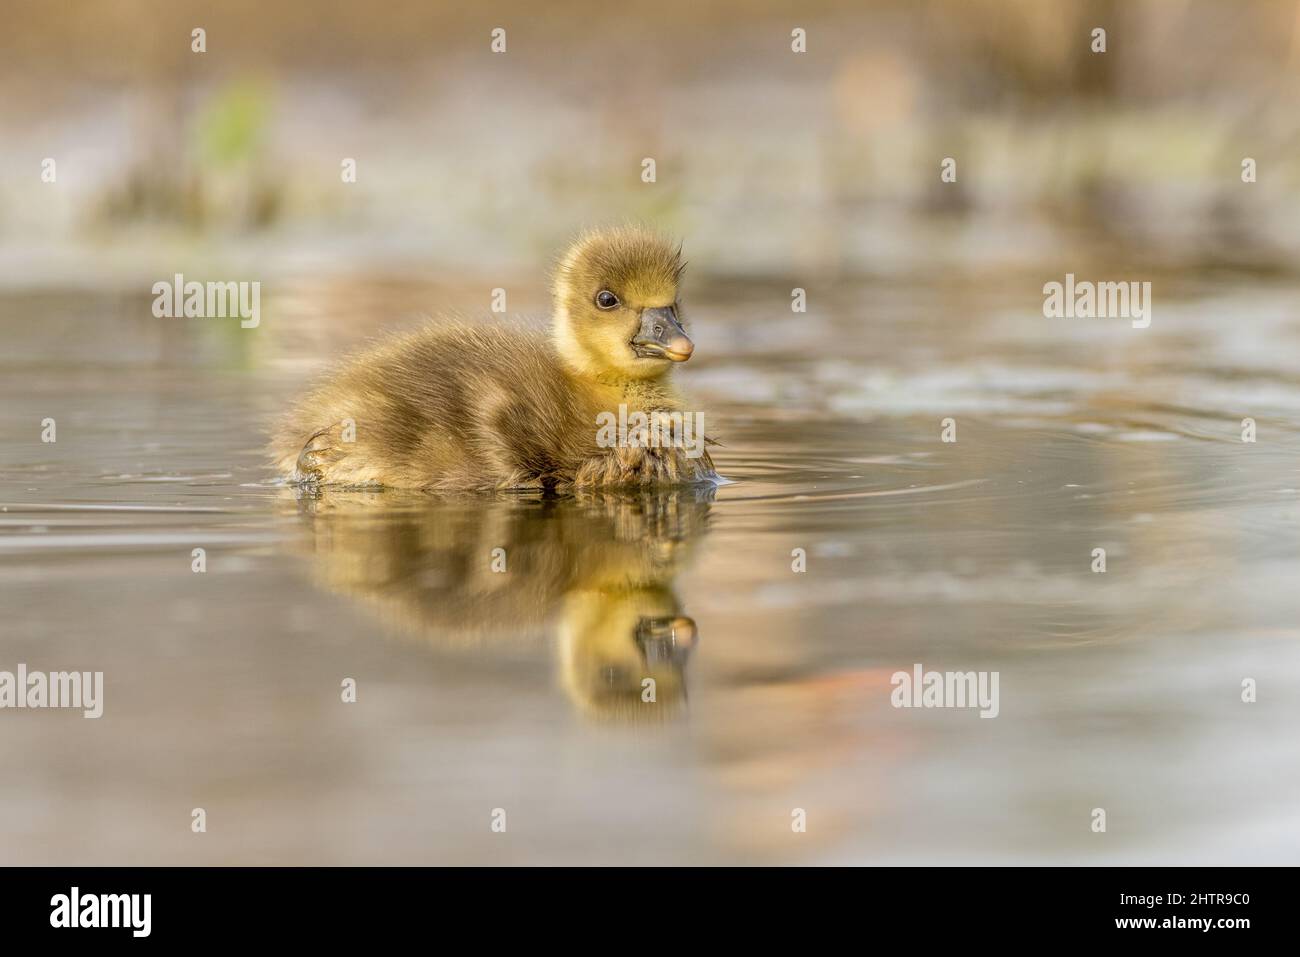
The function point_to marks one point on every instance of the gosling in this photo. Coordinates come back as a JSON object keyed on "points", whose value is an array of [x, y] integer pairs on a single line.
{"points": [[454, 406]]}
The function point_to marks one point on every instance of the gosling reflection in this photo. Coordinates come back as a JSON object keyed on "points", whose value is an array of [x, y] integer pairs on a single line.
{"points": [[595, 573]]}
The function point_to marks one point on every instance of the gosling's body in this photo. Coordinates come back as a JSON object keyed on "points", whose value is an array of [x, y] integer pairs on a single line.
{"points": [[459, 407], [456, 406]]}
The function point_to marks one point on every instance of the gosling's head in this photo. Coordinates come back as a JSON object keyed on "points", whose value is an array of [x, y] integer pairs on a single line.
{"points": [[616, 307]]}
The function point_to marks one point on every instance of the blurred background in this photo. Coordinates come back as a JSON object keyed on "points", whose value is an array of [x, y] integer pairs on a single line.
{"points": [[816, 170], [823, 163]]}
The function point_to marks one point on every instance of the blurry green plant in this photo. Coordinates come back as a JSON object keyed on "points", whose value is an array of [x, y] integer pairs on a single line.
{"points": [[220, 178], [231, 127]]}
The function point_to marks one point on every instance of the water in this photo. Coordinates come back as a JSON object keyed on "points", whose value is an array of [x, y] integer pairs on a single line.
{"points": [[521, 690]]}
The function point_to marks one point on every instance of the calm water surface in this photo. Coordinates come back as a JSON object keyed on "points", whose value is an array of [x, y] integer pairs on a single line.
{"points": [[479, 690]]}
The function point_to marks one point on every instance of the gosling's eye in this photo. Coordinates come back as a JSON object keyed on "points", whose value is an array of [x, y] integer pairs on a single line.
{"points": [[606, 299]]}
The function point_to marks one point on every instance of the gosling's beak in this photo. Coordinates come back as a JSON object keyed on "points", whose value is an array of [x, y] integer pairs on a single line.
{"points": [[661, 336], [667, 640]]}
